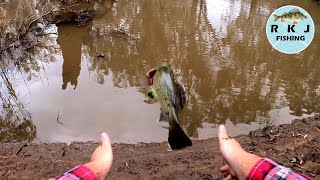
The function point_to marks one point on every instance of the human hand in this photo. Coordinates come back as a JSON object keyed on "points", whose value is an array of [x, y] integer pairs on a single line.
{"points": [[101, 159], [239, 162]]}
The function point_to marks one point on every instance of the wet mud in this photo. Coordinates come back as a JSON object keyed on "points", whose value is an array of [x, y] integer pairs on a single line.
{"points": [[294, 145], [94, 75]]}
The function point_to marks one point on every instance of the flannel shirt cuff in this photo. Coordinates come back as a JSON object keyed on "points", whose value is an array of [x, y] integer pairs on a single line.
{"points": [[267, 169], [79, 172]]}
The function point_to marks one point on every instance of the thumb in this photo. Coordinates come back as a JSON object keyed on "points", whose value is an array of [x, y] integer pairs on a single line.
{"points": [[105, 140], [222, 133]]}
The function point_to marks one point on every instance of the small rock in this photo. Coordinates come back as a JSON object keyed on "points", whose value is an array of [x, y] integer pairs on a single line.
{"points": [[101, 55], [294, 160]]}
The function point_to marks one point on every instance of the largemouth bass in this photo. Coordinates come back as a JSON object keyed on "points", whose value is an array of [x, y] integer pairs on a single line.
{"points": [[294, 15], [170, 94]]}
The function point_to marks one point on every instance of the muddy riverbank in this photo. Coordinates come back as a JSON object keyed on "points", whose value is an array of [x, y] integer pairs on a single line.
{"points": [[67, 77], [295, 145], [24, 24]]}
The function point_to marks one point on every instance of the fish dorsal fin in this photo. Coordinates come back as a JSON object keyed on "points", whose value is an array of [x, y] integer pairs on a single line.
{"points": [[284, 13], [294, 10]]}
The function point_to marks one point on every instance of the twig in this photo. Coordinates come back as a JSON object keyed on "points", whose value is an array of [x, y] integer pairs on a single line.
{"points": [[38, 4], [68, 7], [58, 119], [32, 12], [43, 8], [45, 73], [46, 34], [17, 15], [64, 151], [25, 82], [25, 145], [313, 175], [41, 16], [299, 166]]}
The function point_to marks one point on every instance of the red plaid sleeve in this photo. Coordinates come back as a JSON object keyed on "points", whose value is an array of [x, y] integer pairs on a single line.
{"points": [[79, 172], [267, 169]]}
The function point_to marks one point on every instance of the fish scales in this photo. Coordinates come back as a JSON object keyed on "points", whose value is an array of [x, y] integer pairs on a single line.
{"points": [[171, 98]]}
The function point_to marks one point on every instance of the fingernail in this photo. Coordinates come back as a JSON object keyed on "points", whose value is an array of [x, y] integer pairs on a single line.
{"points": [[104, 135], [222, 129]]}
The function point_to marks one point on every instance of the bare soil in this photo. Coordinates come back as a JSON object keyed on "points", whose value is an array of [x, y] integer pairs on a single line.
{"points": [[294, 145]]}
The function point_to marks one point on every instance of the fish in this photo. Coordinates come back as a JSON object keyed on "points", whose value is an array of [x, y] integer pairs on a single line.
{"points": [[293, 15], [171, 96]]}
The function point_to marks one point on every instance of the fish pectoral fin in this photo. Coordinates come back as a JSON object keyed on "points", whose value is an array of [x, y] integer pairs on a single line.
{"points": [[178, 138], [295, 22], [163, 117], [282, 20], [165, 127]]}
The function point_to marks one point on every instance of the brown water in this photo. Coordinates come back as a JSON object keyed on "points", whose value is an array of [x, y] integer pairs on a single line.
{"points": [[217, 48]]}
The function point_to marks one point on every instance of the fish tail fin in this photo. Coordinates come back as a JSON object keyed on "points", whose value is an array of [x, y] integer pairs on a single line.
{"points": [[276, 17], [178, 138]]}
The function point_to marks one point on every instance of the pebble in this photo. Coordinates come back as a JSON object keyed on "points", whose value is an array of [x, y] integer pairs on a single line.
{"points": [[101, 55]]}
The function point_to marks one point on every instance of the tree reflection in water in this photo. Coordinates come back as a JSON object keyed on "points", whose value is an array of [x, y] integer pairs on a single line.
{"points": [[15, 121], [229, 69]]}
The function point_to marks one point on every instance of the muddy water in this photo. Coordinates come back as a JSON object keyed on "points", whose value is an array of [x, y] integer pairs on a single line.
{"points": [[85, 80]]}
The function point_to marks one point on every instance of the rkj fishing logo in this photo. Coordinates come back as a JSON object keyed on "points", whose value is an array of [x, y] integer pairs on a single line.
{"points": [[290, 29]]}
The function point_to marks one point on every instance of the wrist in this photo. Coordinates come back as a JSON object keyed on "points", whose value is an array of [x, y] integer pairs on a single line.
{"points": [[94, 168], [248, 162]]}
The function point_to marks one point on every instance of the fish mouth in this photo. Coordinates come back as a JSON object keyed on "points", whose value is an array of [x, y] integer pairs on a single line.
{"points": [[150, 74]]}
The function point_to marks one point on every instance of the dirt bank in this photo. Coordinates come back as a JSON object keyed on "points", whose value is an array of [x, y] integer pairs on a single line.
{"points": [[24, 31], [294, 145]]}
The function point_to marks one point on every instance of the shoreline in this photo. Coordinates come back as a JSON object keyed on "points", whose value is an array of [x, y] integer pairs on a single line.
{"points": [[294, 145]]}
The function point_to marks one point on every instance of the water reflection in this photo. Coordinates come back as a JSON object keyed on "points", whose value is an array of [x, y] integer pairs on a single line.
{"points": [[70, 40], [15, 121], [218, 49]]}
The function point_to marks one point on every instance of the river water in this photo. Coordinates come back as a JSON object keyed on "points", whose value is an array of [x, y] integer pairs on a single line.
{"points": [[85, 80]]}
